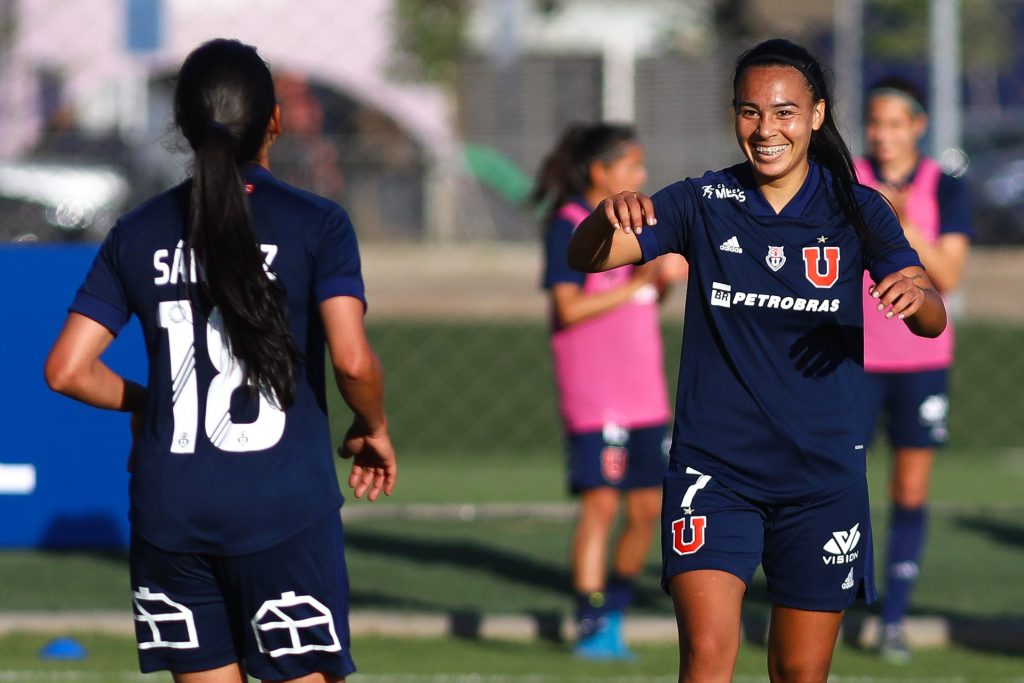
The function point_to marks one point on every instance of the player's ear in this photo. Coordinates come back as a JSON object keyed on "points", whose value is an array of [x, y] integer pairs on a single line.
{"points": [[274, 125], [818, 115]]}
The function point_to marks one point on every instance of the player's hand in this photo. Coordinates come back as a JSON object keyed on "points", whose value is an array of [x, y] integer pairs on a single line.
{"points": [[898, 295], [629, 211], [374, 467]]}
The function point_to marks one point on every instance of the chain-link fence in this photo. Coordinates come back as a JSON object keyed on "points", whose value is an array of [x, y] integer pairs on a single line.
{"points": [[85, 114]]}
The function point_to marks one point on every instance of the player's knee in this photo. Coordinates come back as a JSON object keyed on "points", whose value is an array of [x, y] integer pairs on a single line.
{"points": [[909, 494], [798, 669], [601, 506], [708, 648]]}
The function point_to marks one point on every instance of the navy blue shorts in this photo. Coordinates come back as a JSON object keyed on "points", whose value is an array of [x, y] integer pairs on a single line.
{"points": [[816, 554], [915, 404], [621, 458], [281, 612]]}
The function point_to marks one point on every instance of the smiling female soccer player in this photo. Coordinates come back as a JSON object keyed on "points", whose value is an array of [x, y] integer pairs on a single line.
{"points": [[767, 463], [237, 554]]}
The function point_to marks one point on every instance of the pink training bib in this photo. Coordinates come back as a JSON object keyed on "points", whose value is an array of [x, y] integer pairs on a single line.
{"points": [[609, 368], [888, 345]]}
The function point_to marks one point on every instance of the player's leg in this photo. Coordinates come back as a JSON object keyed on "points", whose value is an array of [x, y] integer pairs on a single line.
{"points": [[232, 673], [644, 471], [596, 467], [712, 541], [801, 643], [312, 678], [818, 561], [919, 409], [290, 606], [598, 509], [707, 604]]}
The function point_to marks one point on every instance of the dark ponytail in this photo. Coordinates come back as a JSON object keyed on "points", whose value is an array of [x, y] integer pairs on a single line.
{"points": [[565, 172], [827, 146], [224, 101]]}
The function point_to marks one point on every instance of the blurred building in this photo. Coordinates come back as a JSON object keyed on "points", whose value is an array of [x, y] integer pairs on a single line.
{"points": [[89, 82]]}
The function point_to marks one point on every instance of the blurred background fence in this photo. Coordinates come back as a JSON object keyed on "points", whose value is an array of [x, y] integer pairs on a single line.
{"points": [[427, 119]]}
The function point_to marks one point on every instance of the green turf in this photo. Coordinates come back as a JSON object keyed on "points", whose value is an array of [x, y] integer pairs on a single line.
{"points": [[521, 565], [464, 661], [486, 387]]}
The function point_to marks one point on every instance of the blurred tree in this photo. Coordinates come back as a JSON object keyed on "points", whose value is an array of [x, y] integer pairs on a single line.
{"points": [[899, 33], [431, 37]]}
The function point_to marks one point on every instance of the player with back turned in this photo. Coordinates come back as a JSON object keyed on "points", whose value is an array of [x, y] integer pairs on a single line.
{"points": [[238, 280], [768, 461]]}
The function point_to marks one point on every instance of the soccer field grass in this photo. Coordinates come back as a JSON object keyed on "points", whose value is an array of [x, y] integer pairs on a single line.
{"points": [[381, 660]]}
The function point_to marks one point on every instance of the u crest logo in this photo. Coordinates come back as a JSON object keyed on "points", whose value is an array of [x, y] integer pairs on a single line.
{"points": [[812, 266], [680, 544]]}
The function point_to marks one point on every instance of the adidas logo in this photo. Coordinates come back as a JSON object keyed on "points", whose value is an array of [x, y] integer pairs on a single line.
{"points": [[848, 583], [841, 546], [731, 245]]}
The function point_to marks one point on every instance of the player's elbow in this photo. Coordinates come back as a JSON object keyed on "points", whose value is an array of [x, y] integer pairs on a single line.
{"points": [[61, 375], [354, 364], [580, 260]]}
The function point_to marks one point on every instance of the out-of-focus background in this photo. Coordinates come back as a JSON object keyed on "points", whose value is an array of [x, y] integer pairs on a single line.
{"points": [[427, 119]]}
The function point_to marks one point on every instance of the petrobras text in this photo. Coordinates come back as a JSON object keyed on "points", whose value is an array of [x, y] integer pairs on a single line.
{"points": [[722, 295]]}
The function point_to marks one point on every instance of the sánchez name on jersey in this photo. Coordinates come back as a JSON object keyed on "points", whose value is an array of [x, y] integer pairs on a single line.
{"points": [[169, 271]]}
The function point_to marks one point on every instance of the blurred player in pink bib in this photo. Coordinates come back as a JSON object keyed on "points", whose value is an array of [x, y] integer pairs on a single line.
{"points": [[907, 375], [615, 422]]}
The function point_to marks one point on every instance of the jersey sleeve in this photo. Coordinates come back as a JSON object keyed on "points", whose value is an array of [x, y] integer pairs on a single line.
{"points": [[954, 206], [886, 249], [338, 271], [675, 208], [103, 296], [556, 247]]}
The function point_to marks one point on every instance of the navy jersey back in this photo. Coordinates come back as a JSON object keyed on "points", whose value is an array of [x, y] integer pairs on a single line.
{"points": [[772, 358], [219, 469]]}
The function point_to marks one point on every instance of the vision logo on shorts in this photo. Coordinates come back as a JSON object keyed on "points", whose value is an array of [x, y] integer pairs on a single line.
{"points": [[293, 625], [842, 547]]}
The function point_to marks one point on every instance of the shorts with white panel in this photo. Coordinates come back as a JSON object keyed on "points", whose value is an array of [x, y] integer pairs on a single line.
{"points": [[281, 613], [816, 553]]}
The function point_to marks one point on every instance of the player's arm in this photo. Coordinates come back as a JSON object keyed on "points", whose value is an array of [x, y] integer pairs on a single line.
{"points": [[606, 238], [357, 372], [572, 305], [909, 295], [945, 258], [74, 368]]}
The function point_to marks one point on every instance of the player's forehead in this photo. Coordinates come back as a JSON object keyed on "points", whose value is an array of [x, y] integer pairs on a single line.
{"points": [[765, 86], [890, 107]]}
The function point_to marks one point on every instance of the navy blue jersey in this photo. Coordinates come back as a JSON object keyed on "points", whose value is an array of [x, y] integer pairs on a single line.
{"points": [[217, 469], [772, 358], [556, 246]]}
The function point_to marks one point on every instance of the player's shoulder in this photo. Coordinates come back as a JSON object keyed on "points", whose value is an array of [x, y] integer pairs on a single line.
{"points": [[296, 202], [153, 217]]}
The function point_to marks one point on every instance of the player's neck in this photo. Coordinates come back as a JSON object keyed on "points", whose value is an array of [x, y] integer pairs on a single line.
{"points": [[779, 191], [896, 171]]}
